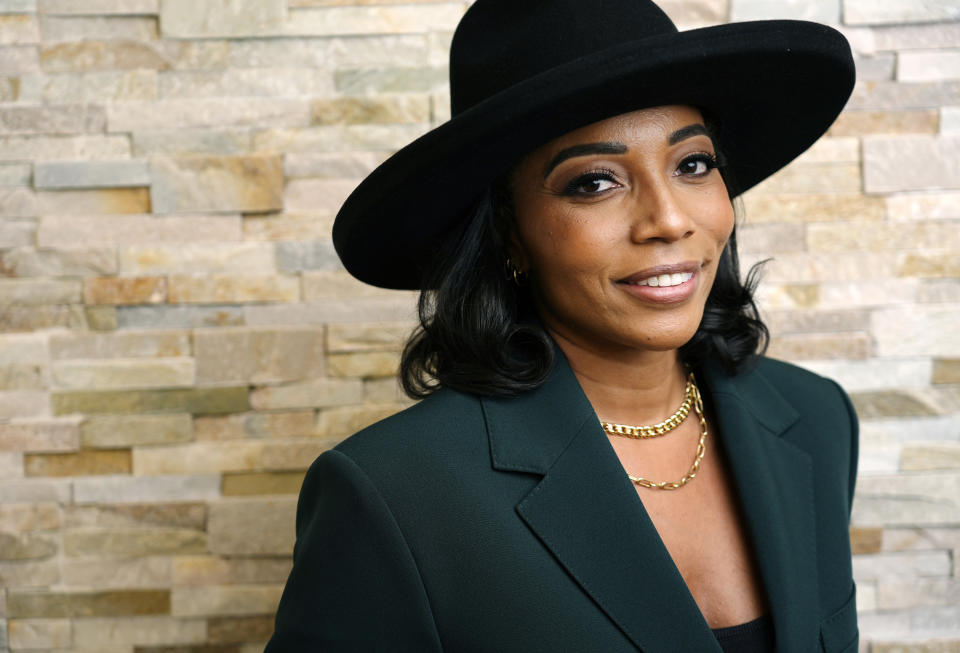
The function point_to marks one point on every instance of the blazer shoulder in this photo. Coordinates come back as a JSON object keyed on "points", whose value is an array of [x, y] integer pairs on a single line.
{"points": [[434, 424]]}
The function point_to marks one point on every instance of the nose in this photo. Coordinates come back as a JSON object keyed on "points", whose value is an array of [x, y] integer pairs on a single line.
{"points": [[660, 215]]}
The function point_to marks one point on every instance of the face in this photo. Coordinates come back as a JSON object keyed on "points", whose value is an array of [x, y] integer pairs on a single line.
{"points": [[620, 226]]}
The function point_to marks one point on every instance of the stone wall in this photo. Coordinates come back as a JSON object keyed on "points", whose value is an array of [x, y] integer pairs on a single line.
{"points": [[178, 340]]}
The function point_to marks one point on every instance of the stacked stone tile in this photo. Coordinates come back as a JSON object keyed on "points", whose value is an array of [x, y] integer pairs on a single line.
{"points": [[178, 340]]}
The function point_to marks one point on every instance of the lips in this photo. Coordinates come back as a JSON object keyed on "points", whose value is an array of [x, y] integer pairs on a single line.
{"points": [[664, 280]]}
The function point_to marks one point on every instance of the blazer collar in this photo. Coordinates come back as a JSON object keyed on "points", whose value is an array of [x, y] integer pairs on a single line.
{"points": [[586, 512]]}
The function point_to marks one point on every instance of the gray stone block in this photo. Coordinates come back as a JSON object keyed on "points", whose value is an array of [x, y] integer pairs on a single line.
{"points": [[821, 11], [317, 255], [872, 12], [91, 174], [179, 317], [226, 18], [18, 6], [904, 163]]}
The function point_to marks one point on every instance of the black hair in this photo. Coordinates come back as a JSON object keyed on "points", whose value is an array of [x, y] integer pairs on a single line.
{"points": [[478, 333]]}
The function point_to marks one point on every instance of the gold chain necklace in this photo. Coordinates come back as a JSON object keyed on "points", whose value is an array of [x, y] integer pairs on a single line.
{"points": [[662, 428], [701, 448]]}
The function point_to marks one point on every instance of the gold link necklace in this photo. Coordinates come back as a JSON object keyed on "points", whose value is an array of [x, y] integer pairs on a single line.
{"points": [[701, 447], [656, 430]]}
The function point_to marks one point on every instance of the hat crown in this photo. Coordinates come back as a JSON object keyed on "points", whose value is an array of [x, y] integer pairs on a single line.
{"points": [[499, 43]]}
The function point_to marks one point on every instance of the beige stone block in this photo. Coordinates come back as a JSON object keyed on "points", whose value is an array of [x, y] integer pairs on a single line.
{"points": [[96, 86], [212, 401], [876, 373], [131, 543], [11, 466], [348, 338], [890, 96], [56, 28], [771, 238], [939, 291], [112, 201], [286, 456], [16, 59], [29, 574], [335, 53], [118, 431], [228, 288], [98, 7], [893, 403], [323, 195], [335, 138], [811, 321], [867, 123], [930, 456], [125, 290], [16, 404], [258, 356], [24, 376], [39, 633], [914, 37], [373, 81], [81, 463], [309, 226], [914, 235], [865, 12], [118, 573], [371, 364], [125, 489], [904, 163], [29, 517], [946, 370], [228, 526], [149, 516], [223, 18], [381, 391], [363, 110], [59, 262], [248, 82], [319, 285], [950, 120], [17, 203], [219, 113], [27, 348], [346, 420], [17, 233], [929, 646], [33, 490], [262, 483], [198, 458], [331, 165], [917, 331], [198, 258], [917, 592], [865, 540], [88, 604], [40, 435], [292, 424], [23, 317], [867, 293], [800, 268], [394, 307], [335, 21], [121, 374], [211, 570], [813, 178], [99, 634], [819, 346], [32, 292], [191, 142], [15, 174], [138, 344], [310, 394], [109, 55], [19, 29], [240, 629], [923, 206], [920, 539], [225, 600], [131, 230], [204, 183], [27, 546], [933, 265], [931, 499]]}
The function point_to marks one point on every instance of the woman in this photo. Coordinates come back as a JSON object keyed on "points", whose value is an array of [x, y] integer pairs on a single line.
{"points": [[572, 230]]}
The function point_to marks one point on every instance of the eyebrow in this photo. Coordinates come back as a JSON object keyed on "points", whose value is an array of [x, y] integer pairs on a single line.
{"points": [[583, 150], [613, 147]]}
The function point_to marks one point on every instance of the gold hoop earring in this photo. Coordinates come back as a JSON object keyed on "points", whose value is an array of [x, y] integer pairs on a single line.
{"points": [[514, 272]]}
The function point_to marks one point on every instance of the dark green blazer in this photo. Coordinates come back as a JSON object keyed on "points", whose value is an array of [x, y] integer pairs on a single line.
{"points": [[469, 524]]}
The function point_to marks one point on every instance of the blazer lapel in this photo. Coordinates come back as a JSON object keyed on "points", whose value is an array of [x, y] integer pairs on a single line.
{"points": [[586, 512], [774, 482]]}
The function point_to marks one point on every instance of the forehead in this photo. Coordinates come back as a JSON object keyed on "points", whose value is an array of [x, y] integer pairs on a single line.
{"points": [[627, 128]]}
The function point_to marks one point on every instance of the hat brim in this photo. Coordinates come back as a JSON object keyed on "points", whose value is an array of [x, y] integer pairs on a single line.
{"points": [[772, 88]]}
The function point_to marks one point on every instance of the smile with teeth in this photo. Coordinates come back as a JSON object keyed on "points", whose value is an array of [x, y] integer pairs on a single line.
{"points": [[663, 280]]}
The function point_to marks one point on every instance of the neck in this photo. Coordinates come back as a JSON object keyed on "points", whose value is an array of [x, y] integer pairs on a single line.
{"points": [[627, 387]]}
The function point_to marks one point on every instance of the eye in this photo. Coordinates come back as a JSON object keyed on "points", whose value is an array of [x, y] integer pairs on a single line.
{"points": [[697, 165], [592, 183]]}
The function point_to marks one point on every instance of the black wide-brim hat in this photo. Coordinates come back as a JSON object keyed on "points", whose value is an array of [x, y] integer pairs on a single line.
{"points": [[523, 72]]}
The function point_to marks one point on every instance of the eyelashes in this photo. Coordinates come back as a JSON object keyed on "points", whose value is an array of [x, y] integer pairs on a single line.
{"points": [[596, 182]]}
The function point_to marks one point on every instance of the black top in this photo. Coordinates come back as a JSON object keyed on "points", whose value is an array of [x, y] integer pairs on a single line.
{"points": [[752, 637]]}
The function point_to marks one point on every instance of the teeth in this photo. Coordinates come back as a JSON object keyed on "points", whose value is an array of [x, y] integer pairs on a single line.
{"points": [[662, 280]]}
